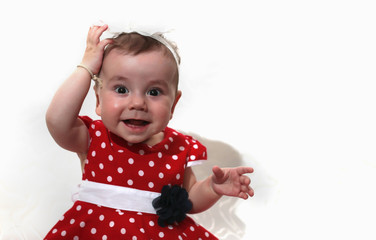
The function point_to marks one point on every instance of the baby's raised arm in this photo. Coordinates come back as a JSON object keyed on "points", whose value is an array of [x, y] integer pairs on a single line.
{"points": [[62, 115]]}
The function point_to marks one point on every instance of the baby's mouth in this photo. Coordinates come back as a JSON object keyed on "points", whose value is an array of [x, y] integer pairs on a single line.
{"points": [[136, 123]]}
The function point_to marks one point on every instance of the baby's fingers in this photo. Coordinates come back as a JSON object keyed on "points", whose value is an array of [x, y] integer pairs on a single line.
{"points": [[245, 180], [95, 32], [100, 30], [244, 170]]}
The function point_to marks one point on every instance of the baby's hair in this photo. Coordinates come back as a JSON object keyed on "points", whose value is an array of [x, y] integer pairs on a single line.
{"points": [[134, 43]]}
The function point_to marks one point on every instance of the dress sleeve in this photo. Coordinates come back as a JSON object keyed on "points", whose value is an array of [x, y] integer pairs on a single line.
{"points": [[197, 152], [87, 120]]}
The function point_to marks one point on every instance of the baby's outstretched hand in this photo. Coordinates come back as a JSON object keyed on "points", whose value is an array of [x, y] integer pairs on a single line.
{"points": [[232, 181], [93, 56]]}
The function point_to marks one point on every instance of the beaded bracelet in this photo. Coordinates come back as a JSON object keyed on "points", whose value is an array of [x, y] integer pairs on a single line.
{"points": [[93, 76]]}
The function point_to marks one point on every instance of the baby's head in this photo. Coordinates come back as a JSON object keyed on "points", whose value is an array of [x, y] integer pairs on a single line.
{"points": [[138, 88], [135, 43]]}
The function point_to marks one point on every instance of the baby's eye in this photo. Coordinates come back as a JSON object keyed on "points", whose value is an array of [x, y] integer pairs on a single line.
{"points": [[154, 92], [121, 90]]}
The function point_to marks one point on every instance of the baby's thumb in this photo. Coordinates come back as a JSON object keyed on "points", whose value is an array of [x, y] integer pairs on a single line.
{"points": [[105, 42], [218, 172]]}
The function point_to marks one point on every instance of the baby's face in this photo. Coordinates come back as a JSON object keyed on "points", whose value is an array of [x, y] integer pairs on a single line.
{"points": [[138, 95]]}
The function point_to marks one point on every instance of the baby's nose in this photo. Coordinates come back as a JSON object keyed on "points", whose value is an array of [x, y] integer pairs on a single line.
{"points": [[137, 102]]}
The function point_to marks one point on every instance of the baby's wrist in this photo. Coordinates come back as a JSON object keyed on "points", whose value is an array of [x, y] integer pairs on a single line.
{"points": [[87, 69]]}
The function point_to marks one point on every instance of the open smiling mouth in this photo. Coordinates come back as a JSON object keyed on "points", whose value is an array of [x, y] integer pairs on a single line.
{"points": [[136, 123]]}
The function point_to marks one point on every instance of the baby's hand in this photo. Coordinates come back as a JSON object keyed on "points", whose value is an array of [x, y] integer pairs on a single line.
{"points": [[93, 56], [232, 182]]}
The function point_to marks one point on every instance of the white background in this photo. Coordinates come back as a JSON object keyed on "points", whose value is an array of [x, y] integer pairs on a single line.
{"points": [[287, 87]]}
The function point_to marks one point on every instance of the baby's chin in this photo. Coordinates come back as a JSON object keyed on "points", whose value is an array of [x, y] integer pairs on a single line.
{"points": [[151, 140]]}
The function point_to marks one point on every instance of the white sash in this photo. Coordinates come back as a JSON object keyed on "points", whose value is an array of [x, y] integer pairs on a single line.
{"points": [[117, 197]]}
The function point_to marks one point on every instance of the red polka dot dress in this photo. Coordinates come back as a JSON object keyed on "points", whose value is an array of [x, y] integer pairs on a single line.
{"points": [[112, 165]]}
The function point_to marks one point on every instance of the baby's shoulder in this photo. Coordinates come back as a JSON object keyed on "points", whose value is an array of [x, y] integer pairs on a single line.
{"points": [[184, 139], [92, 124]]}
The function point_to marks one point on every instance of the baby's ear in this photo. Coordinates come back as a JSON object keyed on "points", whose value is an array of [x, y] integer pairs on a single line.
{"points": [[177, 97], [98, 105]]}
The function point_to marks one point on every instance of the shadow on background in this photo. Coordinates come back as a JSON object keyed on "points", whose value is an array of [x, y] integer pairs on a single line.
{"points": [[220, 219]]}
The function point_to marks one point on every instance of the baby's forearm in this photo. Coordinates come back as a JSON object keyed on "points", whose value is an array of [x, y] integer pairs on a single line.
{"points": [[202, 195]]}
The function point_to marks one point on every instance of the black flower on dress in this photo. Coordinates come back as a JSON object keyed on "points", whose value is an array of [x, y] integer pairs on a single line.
{"points": [[172, 205]]}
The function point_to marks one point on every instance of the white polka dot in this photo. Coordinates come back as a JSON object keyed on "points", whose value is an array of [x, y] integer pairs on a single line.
{"points": [[120, 170], [78, 208], [142, 230], [109, 179], [98, 133], [54, 231], [104, 237], [130, 161], [168, 166], [180, 238], [175, 157], [82, 224], [161, 234], [141, 152], [93, 173], [103, 145], [72, 221], [63, 233], [132, 220], [161, 175], [178, 176], [110, 157], [204, 154], [151, 223], [192, 157], [92, 126], [93, 231], [93, 153], [194, 141], [141, 173], [134, 238], [101, 166], [112, 224], [75, 238], [206, 234], [120, 212], [166, 146], [181, 148], [171, 139], [90, 211], [160, 155], [151, 185], [123, 231], [170, 227], [151, 164], [187, 141], [62, 217], [101, 217], [195, 146], [130, 182], [192, 228], [120, 151]]}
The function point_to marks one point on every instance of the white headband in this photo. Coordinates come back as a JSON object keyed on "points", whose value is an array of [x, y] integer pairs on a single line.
{"points": [[154, 32], [158, 36]]}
